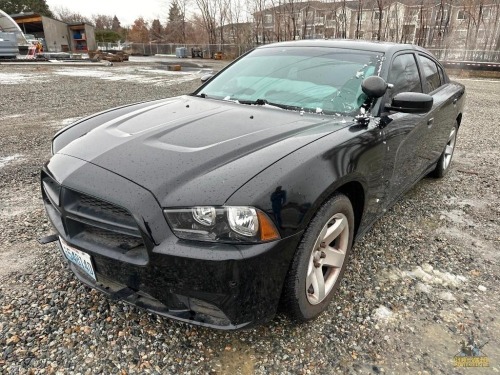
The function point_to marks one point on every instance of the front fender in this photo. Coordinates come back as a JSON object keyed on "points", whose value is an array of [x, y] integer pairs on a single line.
{"points": [[292, 189]]}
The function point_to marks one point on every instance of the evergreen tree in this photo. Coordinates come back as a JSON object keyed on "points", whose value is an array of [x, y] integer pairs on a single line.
{"points": [[174, 13], [107, 36], [156, 30], [25, 6], [116, 26], [175, 29]]}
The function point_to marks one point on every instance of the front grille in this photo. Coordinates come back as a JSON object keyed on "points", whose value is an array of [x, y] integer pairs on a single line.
{"points": [[108, 238], [101, 208], [84, 208], [93, 224]]}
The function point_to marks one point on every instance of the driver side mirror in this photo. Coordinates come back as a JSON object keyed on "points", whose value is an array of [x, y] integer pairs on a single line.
{"points": [[374, 87], [411, 102], [206, 78]]}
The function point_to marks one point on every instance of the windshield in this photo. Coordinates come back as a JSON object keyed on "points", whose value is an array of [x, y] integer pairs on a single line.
{"points": [[312, 79]]}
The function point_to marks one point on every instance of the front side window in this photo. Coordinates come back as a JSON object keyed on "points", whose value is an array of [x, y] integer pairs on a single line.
{"points": [[430, 73], [404, 75], [313, 79]]}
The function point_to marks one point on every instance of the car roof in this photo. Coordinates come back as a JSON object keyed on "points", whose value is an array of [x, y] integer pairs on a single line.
{"points": [[388, 48]]}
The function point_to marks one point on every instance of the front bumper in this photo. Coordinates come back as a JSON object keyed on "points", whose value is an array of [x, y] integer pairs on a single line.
{"points": [[218, 285]]}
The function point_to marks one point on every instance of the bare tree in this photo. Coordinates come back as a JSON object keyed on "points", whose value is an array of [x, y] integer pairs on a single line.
{"points": [[66, 15], [422, 24], [409, 21], [343, 20], [307, 19], [291, 25], [183, 5], [196, 31], [222, 16], [380, 7], [359, 18], [208, 9], [259, 10], [102, 21], [493, 28], [139, 32], [444, 16]]}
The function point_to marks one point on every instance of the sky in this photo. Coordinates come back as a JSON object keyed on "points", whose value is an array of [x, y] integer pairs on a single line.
{"points": [[126, 10]]}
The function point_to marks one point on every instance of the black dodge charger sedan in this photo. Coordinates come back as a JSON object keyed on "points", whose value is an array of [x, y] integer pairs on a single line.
{"points": [[217, 207]]}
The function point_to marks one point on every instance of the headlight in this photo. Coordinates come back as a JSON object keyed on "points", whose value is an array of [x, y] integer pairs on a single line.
{"points": [[231, 224]]}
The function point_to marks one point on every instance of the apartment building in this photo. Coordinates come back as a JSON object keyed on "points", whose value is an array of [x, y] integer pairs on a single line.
{"points": [[463, 24]]}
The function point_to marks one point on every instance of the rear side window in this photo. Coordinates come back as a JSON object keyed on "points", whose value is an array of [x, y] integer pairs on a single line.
{"points": [[404, 74], [430, 73]]}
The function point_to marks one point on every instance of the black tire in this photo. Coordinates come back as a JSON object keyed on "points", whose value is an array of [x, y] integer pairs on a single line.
{"points": [[303, 303], [444, 162]]}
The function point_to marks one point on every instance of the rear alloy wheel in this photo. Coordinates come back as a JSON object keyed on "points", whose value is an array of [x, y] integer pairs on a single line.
{"points": [[444, 161], [320, 260]]}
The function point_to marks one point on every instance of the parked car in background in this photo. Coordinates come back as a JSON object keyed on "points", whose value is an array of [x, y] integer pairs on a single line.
{"points": [[213, 208]]}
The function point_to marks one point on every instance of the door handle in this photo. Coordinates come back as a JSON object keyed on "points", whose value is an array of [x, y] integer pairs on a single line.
{"points": [[430, 122]]}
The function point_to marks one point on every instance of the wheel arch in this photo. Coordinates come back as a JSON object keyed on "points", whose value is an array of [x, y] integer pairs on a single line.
{"points": [[355, 192], [353, 189]]}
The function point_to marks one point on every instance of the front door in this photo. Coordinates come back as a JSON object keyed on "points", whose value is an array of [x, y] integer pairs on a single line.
{"points": [[406, 133]]}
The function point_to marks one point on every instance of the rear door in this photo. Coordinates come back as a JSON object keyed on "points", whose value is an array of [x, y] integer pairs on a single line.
{"points": [[442, 120]]}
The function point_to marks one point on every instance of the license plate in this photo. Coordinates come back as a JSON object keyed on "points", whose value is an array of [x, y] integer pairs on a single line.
{"points": [[80, 258]]}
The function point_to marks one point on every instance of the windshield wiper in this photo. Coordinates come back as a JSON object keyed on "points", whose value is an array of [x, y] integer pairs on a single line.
{"points": [[253, 102], [266, 102]]}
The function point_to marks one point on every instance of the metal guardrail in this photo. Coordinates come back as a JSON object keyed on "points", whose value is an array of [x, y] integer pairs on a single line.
{"points": [[465, 55], [472, 65]]}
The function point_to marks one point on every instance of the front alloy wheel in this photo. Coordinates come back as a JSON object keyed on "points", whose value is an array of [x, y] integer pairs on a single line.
{"points": [[327, 258], [320, 260]]}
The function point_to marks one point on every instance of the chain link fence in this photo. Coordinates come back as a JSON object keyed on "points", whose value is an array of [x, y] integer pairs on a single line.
{"points": [[207, 51], [231, 51]]}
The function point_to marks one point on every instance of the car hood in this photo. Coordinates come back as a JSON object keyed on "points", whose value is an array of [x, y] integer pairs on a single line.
{"points": [[194, 151]]}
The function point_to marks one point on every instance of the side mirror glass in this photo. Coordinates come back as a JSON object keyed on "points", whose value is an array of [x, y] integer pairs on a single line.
{"points": [[206, 78], [411, 102], [374, 87]]}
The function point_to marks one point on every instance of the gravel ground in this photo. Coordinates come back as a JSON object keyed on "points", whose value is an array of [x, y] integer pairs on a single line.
{"points": [[419, 282]]}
